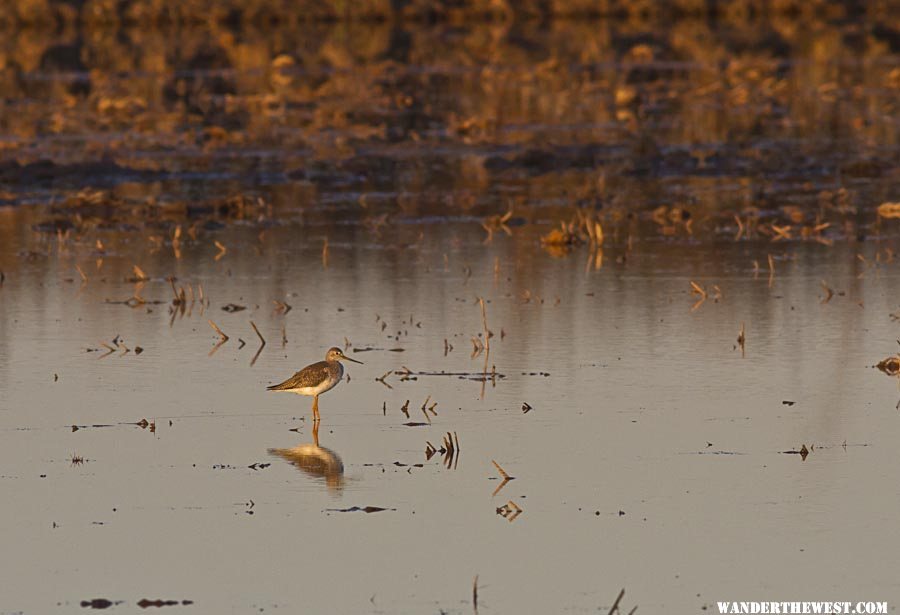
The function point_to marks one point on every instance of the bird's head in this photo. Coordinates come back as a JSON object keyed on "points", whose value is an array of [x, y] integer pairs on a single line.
{"points": [[336, 354]]}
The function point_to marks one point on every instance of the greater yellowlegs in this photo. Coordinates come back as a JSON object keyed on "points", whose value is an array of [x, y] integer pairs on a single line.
{"points": [[315, 379]]}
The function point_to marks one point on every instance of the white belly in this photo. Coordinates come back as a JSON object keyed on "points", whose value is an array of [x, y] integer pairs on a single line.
{"points": [[316, 390]]}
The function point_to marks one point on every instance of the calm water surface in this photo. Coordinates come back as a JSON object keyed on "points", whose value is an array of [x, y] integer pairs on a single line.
{"points": [[654, 455], [652, 458]]}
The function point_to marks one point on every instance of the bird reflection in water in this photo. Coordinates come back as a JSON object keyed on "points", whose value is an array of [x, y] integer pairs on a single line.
{"points": [[315, 460]]}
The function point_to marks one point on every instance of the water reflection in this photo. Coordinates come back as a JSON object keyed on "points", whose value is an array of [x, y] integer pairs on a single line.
{"points": [[315, 460]]}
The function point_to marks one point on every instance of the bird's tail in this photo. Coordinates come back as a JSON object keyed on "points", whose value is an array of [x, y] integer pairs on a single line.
{"points": [[282, 386]]}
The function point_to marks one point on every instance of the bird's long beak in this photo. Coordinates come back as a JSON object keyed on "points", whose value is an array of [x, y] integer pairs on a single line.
{"points": [[354, 360]]}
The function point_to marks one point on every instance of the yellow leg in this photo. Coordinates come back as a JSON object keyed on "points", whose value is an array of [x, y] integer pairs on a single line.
{"points": [[316, 408], [316, 433]]}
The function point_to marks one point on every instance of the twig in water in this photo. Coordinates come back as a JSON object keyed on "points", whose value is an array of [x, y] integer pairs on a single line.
{"points": [[176, 242], [487, 332], [218, 330], [282, 307], [509, 511], [382, 381], [781, 232], [224, 338], [175, 298], [256, 356], [477, 347], [696, 289], [828, 292], [450, 451], [615, 606], [506, 478], [261, 346], [81, 273], [222, 250], [261, 338]]}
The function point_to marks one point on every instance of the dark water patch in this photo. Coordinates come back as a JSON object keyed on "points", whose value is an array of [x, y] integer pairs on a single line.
{"points": [[49, 173]]}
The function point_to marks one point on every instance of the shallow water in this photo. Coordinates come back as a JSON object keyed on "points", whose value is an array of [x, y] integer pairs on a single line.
{"points": [[351, 182], [652, 458]]}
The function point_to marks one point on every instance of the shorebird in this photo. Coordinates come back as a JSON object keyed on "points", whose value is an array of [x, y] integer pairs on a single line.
{"points": [[317, 378]]}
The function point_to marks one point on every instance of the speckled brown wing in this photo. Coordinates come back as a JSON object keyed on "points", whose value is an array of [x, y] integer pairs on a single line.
{"points": [[309, 376]]}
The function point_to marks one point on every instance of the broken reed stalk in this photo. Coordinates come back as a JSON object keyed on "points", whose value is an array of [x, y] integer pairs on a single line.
{"points": [[487, 332], [475, 594], [222, 250], [615, 606], [261, 346], [829, 293], [698, 290], [258, 334], [216, 328], [501, 470]]}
